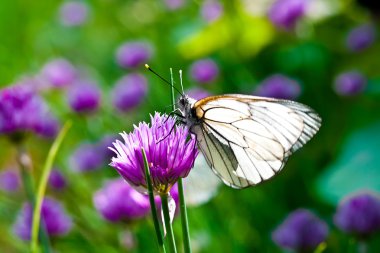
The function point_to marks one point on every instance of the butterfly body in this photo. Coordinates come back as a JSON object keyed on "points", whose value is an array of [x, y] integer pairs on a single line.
{"points": [[247, 139]]}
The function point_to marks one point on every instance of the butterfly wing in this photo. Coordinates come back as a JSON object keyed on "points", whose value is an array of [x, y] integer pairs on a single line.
{"points": [[247, 139]]}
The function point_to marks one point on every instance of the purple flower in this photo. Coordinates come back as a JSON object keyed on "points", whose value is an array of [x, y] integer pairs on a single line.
{"points": [[117, 200], [350, 83], [103, 147], [22, 110], [9, 180], [133, 54], [36, 83], [174, 193], [204, 71], [59, 73], [301, 230], [129, 91], [48, 126], [169, 153], [279, 86], [174, 4], [211, 10], [197, 93], [57, 180], [286, 13], [359, 214], [54, 218], [84, 96], [361, 37], [86, 158], [73, 13]]}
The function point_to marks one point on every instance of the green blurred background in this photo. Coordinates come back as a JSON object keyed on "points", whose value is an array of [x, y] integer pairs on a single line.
{"points": [[247, 47]]}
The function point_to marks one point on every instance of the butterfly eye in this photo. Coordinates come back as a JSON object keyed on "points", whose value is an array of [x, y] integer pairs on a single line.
{"points": [[182, 101]]}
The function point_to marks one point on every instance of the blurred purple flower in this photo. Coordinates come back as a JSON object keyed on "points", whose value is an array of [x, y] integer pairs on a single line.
{"points": [[84, 96], [22, 110], [86, 158], [211, 10], [57, 180], [300, 231], [59, 73], [174, 192], [197, 93], [117, 200], [129, 91], [73, 13], [48, 126], [361, 37], [54, 218], [279, 86], [286, 13], [359, 214], [34, 82], [204, 71], [350, 83], [9, 180], [169, 153], [133, 54], [174, 4], [103, 147]]}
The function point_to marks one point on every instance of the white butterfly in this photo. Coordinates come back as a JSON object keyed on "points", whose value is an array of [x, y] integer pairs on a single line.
{"points": [[247, 139]]}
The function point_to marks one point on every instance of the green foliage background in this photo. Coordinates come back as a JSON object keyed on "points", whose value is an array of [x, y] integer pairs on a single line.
{"points": [[247, 49]]}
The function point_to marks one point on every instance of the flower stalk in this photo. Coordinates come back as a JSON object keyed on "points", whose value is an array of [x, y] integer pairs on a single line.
{"points": [[168, 224], [182, 203], [42, 185], [160, 241], [25, 165], [321, 247]]}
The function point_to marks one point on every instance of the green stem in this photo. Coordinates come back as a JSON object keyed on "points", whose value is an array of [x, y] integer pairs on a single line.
{"points": [[168, 224], [153, 209], [25, 168], [172, 89], [321, 247], [25, 164], [43, 182], [362, 246], [352, 246], [184, 219], [182, 203]]}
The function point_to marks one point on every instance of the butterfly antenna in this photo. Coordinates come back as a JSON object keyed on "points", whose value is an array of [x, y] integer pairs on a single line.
{"points": [[163, 79], [180, 78]]}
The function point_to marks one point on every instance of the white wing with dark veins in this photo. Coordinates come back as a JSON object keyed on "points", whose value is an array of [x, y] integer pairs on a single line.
{"points": [[247, 139]]}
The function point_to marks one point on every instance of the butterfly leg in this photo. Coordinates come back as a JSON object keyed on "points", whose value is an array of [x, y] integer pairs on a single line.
{"points": [[163, 138], [168, 106], [181, 121], [176, 113]]}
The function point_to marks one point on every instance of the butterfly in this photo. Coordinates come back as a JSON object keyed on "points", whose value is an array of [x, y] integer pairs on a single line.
{"points": [[247, 139]]}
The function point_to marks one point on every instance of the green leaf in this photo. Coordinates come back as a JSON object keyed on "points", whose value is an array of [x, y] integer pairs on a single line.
{"points": [[357, 168]]}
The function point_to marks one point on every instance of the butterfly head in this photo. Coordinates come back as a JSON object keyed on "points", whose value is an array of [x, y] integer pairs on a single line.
{"points": [[185, 103], [182, 101]]}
